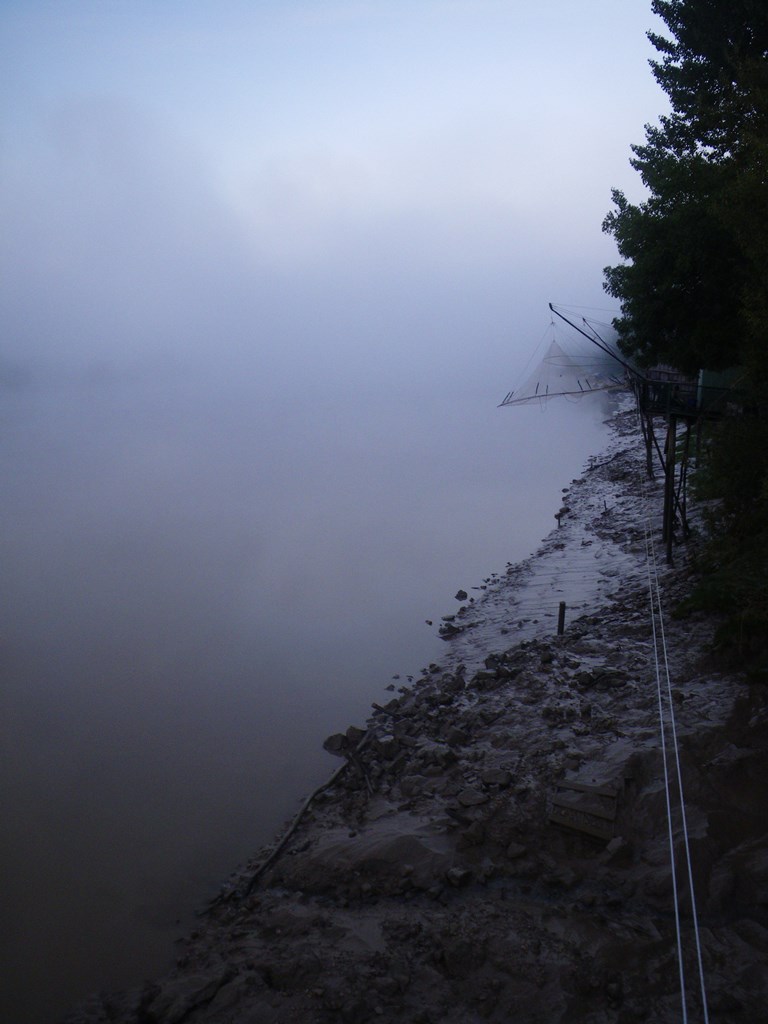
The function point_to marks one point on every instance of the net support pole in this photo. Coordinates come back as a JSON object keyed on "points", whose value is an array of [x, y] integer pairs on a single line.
{"points": [[669, 486]]}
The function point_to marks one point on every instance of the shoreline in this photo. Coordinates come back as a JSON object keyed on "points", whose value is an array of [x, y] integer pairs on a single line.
{"points": [[438, 877]]}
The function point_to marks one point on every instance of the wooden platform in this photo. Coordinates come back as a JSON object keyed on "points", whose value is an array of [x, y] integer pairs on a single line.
{"points": [[583, 807]]}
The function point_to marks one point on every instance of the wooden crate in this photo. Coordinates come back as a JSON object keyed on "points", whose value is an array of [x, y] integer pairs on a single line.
{"points": [[584, 807]]}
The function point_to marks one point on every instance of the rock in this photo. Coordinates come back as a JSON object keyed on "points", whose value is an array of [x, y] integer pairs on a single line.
{"points": [[405, 740], [439, 755], [337, 744], [458, 876], [387, 746], [179, 997], [618, 852], [563, 875], [456, 737], [615, 989], [447, 630], [413, 785], [753, 933], [611, 680], [354, 735], [584, 679], [473, 835], [472, 797], [453, 684], [485, 680], [461, 595], [496, 777]]}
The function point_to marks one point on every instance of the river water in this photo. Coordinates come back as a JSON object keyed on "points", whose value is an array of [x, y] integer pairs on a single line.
{"points": [[204, 577]]}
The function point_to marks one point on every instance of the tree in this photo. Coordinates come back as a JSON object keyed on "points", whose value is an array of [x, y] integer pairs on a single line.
{"points": [[714, 70], [693, 287]]}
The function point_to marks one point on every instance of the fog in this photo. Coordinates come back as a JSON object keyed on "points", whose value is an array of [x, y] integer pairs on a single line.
{"points": [[203, 582], [267, 271]]}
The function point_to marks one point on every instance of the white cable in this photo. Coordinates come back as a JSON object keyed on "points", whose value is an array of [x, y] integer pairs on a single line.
{"points": [[681, 968], [680, 790]]}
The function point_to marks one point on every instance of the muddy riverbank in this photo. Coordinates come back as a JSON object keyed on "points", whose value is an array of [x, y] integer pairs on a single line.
{"points": [[495, 845]]}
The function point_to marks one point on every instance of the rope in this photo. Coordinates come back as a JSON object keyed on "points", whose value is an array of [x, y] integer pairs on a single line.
{"points": [[681, 967], [683, 816], [654, 593]]}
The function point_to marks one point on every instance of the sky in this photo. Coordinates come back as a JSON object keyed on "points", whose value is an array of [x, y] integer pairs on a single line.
{"points": [[361, 187], [266, 271]]}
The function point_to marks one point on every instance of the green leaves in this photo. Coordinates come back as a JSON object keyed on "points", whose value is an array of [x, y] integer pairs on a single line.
{"points": [[693, 288], [693, 284], [709, 69]]}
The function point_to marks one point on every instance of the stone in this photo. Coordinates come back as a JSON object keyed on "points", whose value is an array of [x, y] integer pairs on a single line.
{"points": [[473, 835], [452, 684], [461, 595], [180, 996], [405, 740], [447, 630], [471, 797], [456, 737], [439, 754], [486, 681], [337, 744], [387, 746], [496, 777], [618, 852], [584, 679], [458, 876]]}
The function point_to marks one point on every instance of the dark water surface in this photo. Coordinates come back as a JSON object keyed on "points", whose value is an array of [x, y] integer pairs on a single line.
{"points": [[203, 578]]}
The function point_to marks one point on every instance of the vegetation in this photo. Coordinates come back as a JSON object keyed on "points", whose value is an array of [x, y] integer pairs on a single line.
{"points": [[693, 284]]}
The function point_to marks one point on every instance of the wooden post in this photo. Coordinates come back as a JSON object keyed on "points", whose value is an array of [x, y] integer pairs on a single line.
{"points": [[647, 439], [669, 486], [699, 429], [682, 490], [561, 619], [650, 441]]}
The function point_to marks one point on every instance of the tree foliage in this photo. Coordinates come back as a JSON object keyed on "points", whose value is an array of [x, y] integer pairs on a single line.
{"points": [[692, 286]]}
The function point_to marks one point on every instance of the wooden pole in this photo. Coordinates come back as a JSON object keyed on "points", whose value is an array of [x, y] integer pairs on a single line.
{"points": [[699, 429], [561, 619], [682, 489], [669, 486], [644, 417], [655, 443]]}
